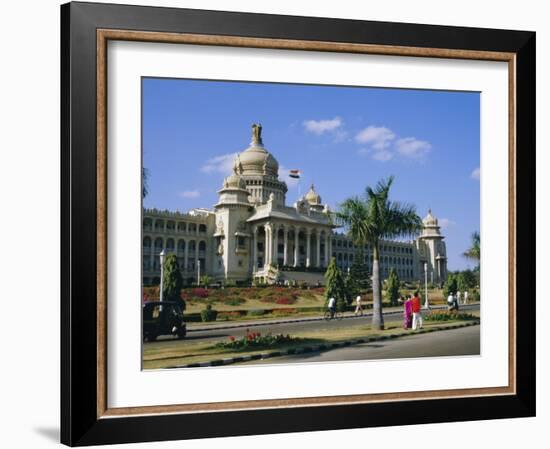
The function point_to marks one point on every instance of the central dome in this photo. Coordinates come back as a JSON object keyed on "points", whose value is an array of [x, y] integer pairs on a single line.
{"points": [[312, 197], [256, 160]]}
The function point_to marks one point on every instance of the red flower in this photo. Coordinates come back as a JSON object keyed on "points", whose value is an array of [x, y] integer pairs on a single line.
{"points": [[232, 338]]}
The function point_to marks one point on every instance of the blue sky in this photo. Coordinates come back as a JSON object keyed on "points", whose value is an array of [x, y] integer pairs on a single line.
{"points": [[341, 138]]}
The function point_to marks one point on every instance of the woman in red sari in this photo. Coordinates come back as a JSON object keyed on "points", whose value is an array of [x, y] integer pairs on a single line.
{"points": [[407, 313]]}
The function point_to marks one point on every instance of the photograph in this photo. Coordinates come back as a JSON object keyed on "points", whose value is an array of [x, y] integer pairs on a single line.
{"points": [[299, 223]]}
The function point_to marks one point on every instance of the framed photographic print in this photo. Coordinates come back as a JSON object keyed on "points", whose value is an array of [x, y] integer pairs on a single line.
{"points": [[282, 224]]}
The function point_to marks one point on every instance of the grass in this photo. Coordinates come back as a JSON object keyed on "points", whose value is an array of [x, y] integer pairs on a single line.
{"points": [[174, 353]]}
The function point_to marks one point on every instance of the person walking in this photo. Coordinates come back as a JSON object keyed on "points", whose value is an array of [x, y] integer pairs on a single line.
{"points": [[407, 313], [417, 314], [358, 305], [332, 306], [466, 297], [458, 297]]}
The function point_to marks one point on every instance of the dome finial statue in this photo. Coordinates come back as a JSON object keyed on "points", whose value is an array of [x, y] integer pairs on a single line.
{"points": [[257, 134]]}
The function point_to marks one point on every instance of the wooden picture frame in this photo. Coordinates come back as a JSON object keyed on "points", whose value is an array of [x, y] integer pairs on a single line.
{"points": [[86, 29]]}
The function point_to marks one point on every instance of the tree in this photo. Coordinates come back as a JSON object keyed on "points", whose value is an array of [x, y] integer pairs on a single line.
{"points": [[466, 280], [335, 287], [359, 271], [392, 287], [206, 280], [451, 285], [372, 219], [474, 252], [172, 281], [351, 287]]}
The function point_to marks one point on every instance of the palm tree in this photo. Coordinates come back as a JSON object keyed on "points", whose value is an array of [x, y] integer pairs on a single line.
{"points": [[375, 218], [474, 252], [144, 182]]}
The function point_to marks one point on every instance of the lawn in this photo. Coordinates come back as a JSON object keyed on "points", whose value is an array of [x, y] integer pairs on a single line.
{"points": [[168, 354]]}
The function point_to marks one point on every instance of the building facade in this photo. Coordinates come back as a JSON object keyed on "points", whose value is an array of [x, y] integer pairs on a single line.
{"points": [[251, 233]]}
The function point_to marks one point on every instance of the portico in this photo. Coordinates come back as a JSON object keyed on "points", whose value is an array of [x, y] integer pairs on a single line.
{"points": [[282, 244]]}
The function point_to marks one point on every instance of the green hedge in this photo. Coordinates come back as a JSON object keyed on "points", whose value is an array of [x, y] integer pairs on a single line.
{"points": [[209, 314]]}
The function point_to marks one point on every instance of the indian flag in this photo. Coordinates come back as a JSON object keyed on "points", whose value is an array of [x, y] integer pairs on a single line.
{"points": [[294, 174]]}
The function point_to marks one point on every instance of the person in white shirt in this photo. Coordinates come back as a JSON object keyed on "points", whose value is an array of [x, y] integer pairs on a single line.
{"points": [[451, 301], [332, 306], [358, 306], [458, 297], [465, 297]]}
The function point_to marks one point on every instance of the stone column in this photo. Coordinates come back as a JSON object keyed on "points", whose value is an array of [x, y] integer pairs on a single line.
{"points": [[308, 247], [267, 245], [327, 251], [285, 250], [255, 249], [296, 247], [318, 255], [152, 254], [185, 255], [275, 253]]}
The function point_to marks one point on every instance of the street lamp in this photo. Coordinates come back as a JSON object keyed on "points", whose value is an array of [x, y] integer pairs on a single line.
{"points": [[161, 255], [426, 303]]}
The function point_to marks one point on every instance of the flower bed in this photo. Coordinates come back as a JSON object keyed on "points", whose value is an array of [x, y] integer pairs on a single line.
{"points": [[254, 340]]}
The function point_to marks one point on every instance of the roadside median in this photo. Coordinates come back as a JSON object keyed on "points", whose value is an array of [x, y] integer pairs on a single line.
{"points": [[311, 343]]}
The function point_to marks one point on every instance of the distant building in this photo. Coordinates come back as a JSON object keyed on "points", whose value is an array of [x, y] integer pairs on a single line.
{"points": [[252, 233]]}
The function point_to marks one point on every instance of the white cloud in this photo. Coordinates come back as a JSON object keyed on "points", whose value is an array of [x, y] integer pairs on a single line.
{"points": [[284, 175], [382, 155], [322, 126], [412, 147], [378, 137], [445, 222], [219, 164], [190, 194], [476, 173]]}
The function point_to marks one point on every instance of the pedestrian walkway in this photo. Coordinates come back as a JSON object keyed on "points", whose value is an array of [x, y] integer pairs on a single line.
{"points": [[200, 327]]}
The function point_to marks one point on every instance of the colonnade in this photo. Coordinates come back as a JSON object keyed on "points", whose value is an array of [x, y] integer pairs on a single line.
{"points": [[291, 237]]}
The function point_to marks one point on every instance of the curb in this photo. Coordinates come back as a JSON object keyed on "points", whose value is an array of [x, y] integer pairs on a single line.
{"points": [[316, 348], [300, 320]]}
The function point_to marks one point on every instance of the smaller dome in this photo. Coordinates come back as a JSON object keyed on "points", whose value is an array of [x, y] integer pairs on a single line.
{"points": [[312, 197], [430, 220], [234, 181]]}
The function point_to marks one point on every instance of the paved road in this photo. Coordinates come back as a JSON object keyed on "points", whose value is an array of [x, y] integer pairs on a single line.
{"points": [[286, 328], [456, 342]]}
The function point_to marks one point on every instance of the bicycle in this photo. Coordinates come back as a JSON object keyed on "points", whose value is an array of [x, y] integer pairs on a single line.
{"points": [[329, 315]]}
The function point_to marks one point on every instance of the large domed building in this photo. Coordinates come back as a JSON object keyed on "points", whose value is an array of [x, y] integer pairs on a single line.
{"points": [[251, 233]]}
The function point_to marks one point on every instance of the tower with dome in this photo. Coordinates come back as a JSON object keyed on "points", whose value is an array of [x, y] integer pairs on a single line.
{"points": [[251, 233]]}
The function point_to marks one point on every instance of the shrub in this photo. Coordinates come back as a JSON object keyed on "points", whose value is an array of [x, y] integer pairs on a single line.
{"points": [[284, 312], [233, 301], [444, 315], [285, 300], [256, 312], [230, 315], [209, 314], [200, 292]]}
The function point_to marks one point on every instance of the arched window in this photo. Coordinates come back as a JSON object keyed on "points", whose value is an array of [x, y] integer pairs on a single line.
{"points": [[202, 228], [170, 245], [147, 242], [202, 245], [181, 246], [158, 244]]}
